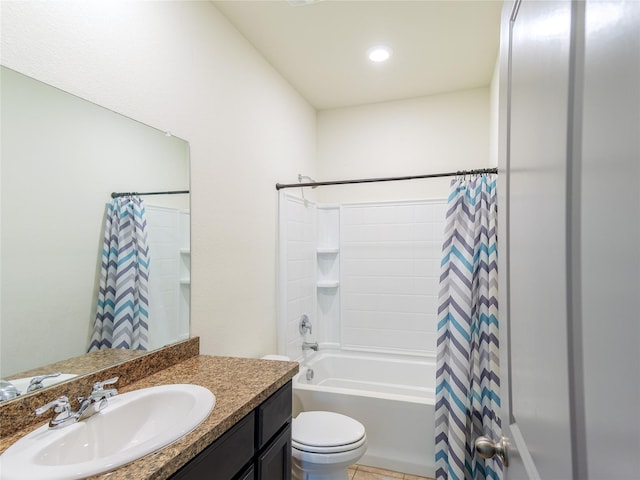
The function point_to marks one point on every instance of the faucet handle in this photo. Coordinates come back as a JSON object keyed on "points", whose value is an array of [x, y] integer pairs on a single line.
{"points": [[305, 325], [104, 394], [99, 386], [62, 408], [59, 405], [36, 382]]}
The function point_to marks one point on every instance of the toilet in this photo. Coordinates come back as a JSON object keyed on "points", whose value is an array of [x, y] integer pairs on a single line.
{"points": [[324, 444]]}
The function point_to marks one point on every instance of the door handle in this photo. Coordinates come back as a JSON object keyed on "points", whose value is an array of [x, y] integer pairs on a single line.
{"points": [[487, 448]]}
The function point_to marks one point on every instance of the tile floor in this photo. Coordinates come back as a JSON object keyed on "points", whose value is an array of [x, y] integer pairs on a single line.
{"points": [[362, 472]]}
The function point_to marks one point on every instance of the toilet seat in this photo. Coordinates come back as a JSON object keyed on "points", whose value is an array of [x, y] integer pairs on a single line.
{"points": [[332, 449], [326, 432]]}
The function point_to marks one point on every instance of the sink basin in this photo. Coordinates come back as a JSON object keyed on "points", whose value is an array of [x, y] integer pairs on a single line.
{"points": [[23, 383], [133, 425]]}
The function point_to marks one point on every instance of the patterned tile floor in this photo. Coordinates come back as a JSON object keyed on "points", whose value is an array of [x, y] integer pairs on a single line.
{"points": [[362, 472]]}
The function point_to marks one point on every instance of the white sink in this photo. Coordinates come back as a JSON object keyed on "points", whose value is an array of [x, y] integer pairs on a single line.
{"points": [[133, 425]]}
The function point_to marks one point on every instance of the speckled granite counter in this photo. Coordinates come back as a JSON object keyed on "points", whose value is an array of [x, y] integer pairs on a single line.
{"points": [[83, 364], [17, 414], [239, 384]]}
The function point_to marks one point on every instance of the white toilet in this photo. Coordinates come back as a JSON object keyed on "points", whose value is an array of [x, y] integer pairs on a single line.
{"points": [[324, 444]]}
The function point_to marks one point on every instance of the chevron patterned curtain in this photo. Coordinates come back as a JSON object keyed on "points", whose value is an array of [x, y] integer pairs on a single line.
{"points": [[467, 376], [122, 317]]}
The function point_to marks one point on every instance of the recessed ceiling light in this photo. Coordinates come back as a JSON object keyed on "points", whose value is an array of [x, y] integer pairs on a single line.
{"points": [[379, 53]]}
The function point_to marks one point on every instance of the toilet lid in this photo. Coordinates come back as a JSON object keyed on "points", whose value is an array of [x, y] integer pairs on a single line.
{"points": [[325, 429]]}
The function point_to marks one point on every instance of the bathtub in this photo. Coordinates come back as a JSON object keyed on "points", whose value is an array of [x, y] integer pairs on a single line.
{"points": [[391, 395]]}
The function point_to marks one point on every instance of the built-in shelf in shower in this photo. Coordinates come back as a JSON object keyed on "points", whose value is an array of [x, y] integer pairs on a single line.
{"points": [[185, 269], [328, 272], [328, 250]]}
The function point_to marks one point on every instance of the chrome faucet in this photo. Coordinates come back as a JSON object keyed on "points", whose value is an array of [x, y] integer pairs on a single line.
{"points": [[8, 391], [89, 406], [305, 325], [36, 382], [63, 415], [310, 346], [97, 399]]}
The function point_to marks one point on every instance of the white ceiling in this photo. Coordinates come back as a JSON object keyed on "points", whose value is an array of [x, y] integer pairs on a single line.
{"points": [[320, 48]]}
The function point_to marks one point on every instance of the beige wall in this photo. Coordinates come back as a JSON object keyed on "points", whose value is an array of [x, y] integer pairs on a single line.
{"points": [[181, 67], [495, 113], [439, 133]]}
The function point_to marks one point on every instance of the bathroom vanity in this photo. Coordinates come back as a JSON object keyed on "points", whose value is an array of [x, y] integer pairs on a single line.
{"points": [[258, 447], [246, 436]]}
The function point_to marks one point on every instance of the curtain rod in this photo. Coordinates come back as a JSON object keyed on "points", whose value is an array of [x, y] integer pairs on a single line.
{"points": [[388, 179], [128, 194]]}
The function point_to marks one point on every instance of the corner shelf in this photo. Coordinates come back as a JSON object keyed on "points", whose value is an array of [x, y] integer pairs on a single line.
{"points": [[327, 274], [327, 250], [185, 254]]}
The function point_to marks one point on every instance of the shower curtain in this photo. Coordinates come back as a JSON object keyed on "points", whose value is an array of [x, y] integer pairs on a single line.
{"points": [[123, 307], [467, 377]]}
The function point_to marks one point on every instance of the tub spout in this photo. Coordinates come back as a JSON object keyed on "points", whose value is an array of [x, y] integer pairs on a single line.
{"points": [[310, 346]]}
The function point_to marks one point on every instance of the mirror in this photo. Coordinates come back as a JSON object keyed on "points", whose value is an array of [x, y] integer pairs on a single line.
{"points": [[62, 156]]}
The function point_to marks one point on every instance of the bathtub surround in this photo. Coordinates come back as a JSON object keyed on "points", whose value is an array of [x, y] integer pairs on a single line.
{"points": [[388, 276], [365, 274], [468, 375], [122, 318], [170, 277], [296, 274]]}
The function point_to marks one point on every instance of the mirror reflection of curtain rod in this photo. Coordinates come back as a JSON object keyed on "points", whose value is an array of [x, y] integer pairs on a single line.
{"points": [[128, 194], [388, 179]]}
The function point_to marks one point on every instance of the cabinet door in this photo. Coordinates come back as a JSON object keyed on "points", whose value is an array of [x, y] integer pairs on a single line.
{"points": [[224, 458], [275, 462], [273, 414], [248, 475]]}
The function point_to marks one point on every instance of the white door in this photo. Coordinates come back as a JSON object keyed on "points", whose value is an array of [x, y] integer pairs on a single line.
{"points": [[569, 239], [537, 264]]}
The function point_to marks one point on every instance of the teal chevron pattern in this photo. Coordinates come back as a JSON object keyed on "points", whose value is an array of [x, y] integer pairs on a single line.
{"points": [[468, 366], [122, 317]]}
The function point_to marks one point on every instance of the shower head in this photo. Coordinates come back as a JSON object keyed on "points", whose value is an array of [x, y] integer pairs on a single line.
{"points": [[306, 177]]}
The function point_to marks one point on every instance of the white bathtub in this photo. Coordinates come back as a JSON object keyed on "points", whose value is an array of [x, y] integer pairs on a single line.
{"points": [[391, 395]]}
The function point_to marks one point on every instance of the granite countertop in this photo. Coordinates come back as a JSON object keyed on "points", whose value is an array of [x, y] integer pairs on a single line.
{"points": [[87, 363], [239, 384]]}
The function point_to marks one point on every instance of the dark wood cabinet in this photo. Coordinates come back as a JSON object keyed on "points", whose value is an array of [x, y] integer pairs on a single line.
{"points": [[258, 447], [248, 474], [274, 463]]}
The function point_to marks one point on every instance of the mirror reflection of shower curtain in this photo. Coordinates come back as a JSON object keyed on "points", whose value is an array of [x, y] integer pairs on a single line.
{"points": [[468, 370], [122, 317]]}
